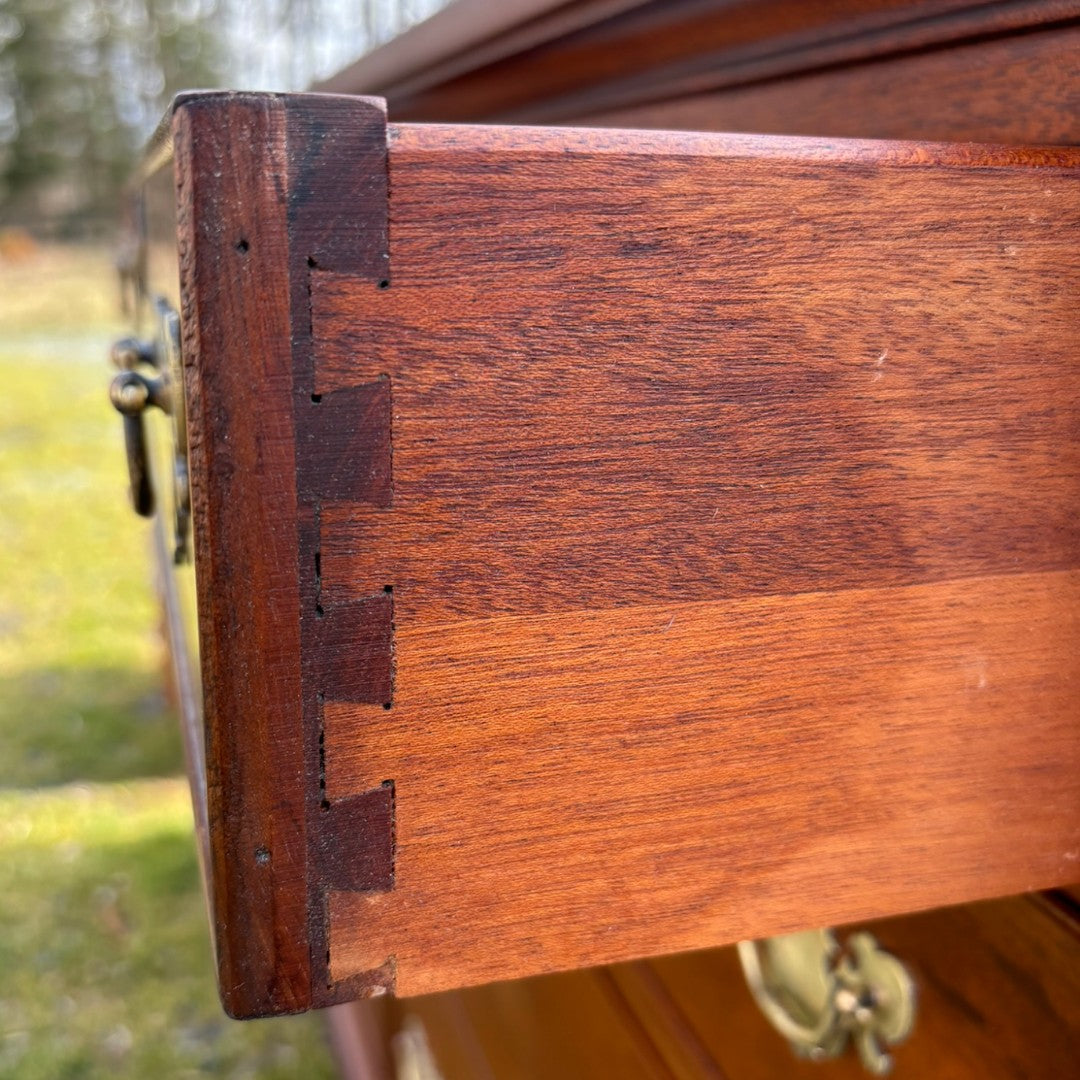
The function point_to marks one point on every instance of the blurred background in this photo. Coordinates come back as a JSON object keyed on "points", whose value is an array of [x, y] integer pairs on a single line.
{"points": [[105, 965]]}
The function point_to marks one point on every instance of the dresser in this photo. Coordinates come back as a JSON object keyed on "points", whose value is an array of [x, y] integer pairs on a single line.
{"points": [[623, 476]]}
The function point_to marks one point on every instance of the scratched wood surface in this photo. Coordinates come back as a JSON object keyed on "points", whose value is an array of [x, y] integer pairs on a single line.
{"points": [[258, 178], [731, 541], [233, 251]]}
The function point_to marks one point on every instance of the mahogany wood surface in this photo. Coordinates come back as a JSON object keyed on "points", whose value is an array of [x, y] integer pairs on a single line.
{"points": [[611, 543], [238, 373], [730, 541], [258, 178], [591, 58], [691, 333], [1017, 89], [651, 540], [997, 987]]}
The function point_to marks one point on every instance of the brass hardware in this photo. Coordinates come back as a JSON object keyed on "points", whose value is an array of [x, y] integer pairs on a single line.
{"points": [[820, 997], [129, 353], [132, 393]]}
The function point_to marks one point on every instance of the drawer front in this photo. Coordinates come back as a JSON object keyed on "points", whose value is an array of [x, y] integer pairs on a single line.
{"points": [[614, 543]]}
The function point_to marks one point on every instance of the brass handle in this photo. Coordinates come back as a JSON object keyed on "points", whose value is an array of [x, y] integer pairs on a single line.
{"points": [[132, 394], [820, 997]]}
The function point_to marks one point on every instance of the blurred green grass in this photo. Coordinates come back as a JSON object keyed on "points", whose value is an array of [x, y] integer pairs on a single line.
{"points": [[105, 967]]}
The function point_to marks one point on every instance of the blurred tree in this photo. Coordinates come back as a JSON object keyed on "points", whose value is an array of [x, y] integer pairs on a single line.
{"points": [[81, 82]]}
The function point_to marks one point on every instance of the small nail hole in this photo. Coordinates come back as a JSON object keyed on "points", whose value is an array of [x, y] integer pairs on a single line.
{"points": [[316, 398], [388, 588], [242, 246], [311, 262], [319, 611], [388, 704], [262, 856], [384, 284]]}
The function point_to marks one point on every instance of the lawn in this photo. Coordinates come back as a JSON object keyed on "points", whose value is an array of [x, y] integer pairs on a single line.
{"points": [[105, 967]]}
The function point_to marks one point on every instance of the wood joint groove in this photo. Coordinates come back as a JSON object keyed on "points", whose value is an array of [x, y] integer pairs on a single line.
{"points": [[337, 148]]}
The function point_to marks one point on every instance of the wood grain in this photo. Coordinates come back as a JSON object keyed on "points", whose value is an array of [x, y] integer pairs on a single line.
{"points": [[692, 557], [707, 366], [732, 546], [997, 986], [338, 222], [268, 189], [234, 271], [664, 778], [997, 998], [1011, 90], [598, 57]]}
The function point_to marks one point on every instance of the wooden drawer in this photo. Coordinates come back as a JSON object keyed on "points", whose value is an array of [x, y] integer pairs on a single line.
{"points": [[997, 988], [616, 543]]}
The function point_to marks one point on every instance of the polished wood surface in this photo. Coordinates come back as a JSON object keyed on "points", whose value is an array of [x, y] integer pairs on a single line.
{"points": [[998, 990], [658, 779], [594, 513], [730, 542], [997, 986], [783, 66], [1024, 88], [693, 334]]}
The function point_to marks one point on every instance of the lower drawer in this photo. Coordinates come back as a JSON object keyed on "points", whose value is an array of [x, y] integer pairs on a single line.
{"points": [[998, 990]]}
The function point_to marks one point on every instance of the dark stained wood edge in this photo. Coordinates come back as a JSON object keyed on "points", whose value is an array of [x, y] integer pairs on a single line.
{"points": [[230, 163], [269, 188], [338, 215], [1062, 905]]}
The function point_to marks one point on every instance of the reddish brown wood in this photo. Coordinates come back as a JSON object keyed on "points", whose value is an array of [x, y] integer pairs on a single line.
{"points": [[998, 988], [997, 997], [270, 187], [652, 507], [360, 1040], [233, 238], [694, 333], [730, 468], [652, 779], [455, 36], [573, 1027], [595, 56], [338, 222], [1014, 90]]}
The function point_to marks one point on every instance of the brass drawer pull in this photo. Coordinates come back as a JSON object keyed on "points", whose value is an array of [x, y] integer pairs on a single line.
{"points": [[819, 996], [132, 393]]}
